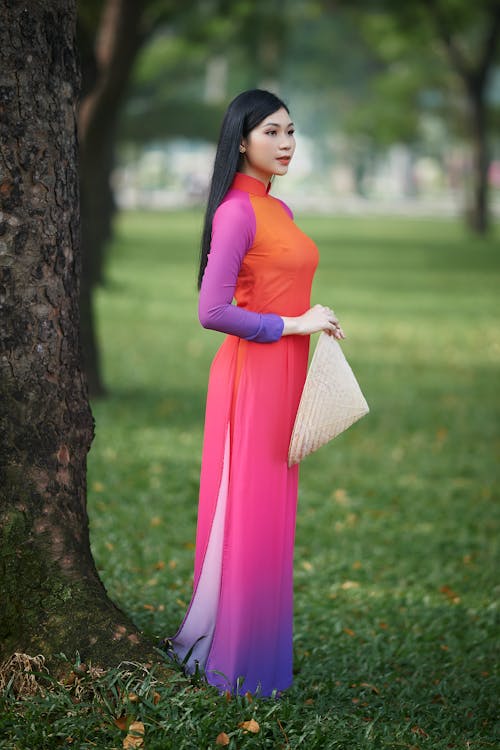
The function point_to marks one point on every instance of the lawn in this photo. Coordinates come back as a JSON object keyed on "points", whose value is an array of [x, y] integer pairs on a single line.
{"points": [[396, 604]]}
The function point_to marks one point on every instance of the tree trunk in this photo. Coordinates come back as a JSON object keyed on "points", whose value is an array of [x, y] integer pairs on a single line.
{"points": [[478, 210], [117, 43], [52, 599]]}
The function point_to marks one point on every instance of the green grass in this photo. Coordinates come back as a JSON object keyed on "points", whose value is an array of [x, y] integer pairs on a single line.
{"points": [[396, 615]]}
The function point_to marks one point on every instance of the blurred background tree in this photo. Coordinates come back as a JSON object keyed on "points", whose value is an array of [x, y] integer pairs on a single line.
{"points": [[438, 56], [111, 34]]}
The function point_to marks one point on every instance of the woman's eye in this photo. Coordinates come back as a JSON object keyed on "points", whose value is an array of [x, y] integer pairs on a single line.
{"points": [[275, 132]]}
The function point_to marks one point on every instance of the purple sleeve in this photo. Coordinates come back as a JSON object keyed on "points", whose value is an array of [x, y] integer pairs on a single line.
{"points": [[233, 232]]}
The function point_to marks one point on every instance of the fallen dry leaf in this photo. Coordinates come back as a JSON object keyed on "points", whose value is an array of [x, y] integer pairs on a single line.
{"points": [[222, 739], [250, 726], [121, 722], [133, 697], [450, 594], [349, 585], [350, 632], [156, 698], [135, 736], [369, 685], [340, 496], [419, 730]]}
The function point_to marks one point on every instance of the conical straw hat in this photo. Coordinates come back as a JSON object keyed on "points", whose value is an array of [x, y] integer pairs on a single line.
{"points": [[330, 403]]}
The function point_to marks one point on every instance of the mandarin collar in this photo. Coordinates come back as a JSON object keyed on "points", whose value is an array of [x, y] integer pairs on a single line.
{"points": [[249, 184]]}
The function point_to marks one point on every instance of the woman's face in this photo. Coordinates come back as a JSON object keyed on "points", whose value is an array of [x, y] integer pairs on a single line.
{"points": [[269, 147]]}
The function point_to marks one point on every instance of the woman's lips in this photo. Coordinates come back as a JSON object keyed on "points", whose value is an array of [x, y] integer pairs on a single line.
{"points": [[284, 159]]}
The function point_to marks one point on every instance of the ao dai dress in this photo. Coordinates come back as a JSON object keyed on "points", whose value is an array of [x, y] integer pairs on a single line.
{"points": [[238, 627]]}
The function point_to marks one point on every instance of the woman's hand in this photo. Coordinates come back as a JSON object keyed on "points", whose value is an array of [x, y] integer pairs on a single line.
{"points": [[317, 318]]}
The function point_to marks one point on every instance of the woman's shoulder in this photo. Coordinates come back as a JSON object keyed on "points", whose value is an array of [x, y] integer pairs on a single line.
{"points": [[235, 206]]}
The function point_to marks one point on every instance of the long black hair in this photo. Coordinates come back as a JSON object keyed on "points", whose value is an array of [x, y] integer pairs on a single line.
{"points": [[244, 113]]}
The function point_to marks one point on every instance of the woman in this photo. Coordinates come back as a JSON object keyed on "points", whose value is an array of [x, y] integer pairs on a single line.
{"points": [[238, 627]]}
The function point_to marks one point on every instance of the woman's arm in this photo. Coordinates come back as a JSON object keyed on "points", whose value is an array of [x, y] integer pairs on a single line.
{"points": [[317, 318], [233, 232]]}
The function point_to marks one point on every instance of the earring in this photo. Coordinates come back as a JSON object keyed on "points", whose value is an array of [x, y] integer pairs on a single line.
{"points": [[242, 149]]}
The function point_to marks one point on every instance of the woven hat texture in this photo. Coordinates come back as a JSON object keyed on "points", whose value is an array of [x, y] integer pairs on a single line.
{"points": [[330, 403]]}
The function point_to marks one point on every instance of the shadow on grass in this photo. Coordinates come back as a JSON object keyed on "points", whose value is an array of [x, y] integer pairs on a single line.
{"points": [[147, 407]]}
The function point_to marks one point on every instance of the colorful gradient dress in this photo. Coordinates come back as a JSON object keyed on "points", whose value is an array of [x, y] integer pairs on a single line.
{"points": [[238, 627]]}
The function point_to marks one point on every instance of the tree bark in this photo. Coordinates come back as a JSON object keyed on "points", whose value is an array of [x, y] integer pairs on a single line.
{"points": [[116, 45], [52, 599]]}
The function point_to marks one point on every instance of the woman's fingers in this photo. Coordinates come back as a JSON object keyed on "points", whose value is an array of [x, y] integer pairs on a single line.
{"points": [[329, 312], [323, 318], [333, 328]]}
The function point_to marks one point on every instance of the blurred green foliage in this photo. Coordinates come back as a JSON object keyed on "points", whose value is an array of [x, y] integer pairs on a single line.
{"points": [[369, 69]]}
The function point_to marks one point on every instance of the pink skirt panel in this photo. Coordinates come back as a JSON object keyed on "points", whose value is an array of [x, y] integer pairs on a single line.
{"points": [[249, 419]]}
